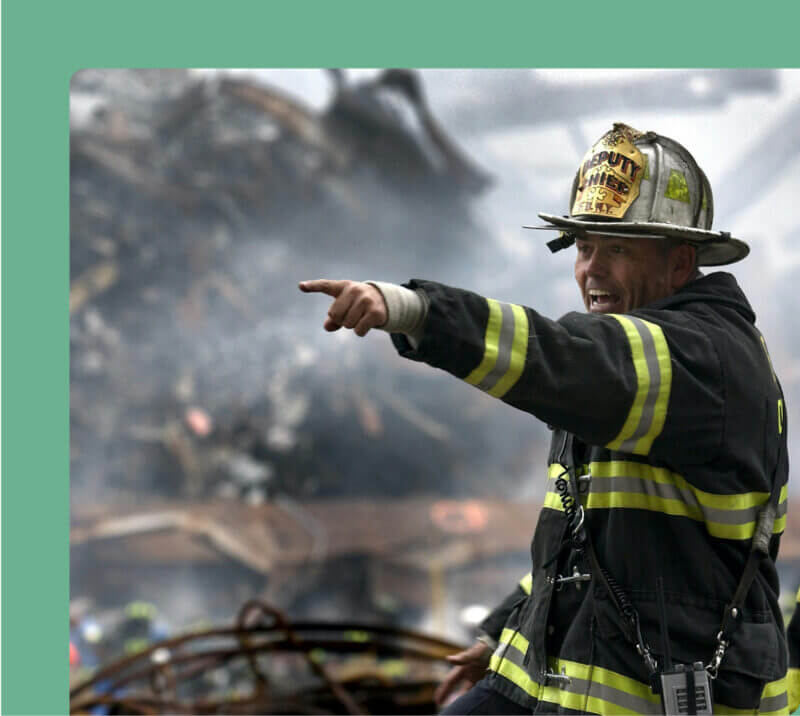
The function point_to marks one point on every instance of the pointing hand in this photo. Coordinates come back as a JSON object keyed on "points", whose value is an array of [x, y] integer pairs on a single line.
{"points": [[356, 305]]}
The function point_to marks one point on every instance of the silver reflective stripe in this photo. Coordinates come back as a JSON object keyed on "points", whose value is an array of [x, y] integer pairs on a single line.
{"points": [[774, 703], [782, 507], [611, 695], [509, 652], [505, 343], [666, 491], [648, 409]]}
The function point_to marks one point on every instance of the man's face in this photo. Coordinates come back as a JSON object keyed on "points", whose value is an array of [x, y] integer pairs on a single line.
{"points": [[616, 275]]}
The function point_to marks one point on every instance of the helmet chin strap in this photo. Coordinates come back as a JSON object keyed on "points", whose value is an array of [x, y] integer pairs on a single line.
{"points": [[564, 241], [567, 238]]}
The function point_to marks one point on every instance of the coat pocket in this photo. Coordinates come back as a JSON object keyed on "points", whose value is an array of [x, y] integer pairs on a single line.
{"points": [[757, 649]]}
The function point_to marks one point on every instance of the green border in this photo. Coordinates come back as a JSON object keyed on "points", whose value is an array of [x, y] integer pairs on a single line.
{"points": [[44, 44]]}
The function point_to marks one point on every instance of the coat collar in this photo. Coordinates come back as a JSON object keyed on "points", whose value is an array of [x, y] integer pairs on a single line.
{"points": [[718, 287]]}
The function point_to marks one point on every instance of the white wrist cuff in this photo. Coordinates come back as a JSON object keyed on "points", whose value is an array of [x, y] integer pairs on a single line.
{"points": [[406, 309]]}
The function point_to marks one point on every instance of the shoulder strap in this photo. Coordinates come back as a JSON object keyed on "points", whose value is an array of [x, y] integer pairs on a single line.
{"points": [[759, 549]]}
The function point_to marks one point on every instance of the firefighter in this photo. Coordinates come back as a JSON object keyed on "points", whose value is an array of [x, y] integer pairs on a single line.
{"points": [[653, 561]]}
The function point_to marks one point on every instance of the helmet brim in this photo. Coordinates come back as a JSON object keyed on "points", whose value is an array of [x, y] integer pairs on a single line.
{"points": [[714, 248]]}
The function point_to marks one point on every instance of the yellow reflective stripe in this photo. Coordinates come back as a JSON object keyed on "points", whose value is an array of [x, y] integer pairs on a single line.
{"points": [[505, 349], [581, 702], [639, 501], [653, 368], [491, 342], [553, 501], [596, 705], [602, 691], [677, 497], [607, 677], [595, 696], [526, 583], [740, 532], [777, 688], [519, 352], [515, 639], [774, 698], [676, 508], [793, 688], [774, 688], [664, 389], [553, 694], [514, 674], [615, 468], [736, 501], [642, 380]]}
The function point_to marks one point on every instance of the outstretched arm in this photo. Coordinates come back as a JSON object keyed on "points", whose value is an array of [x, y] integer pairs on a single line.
{"points": [[609, 379]]}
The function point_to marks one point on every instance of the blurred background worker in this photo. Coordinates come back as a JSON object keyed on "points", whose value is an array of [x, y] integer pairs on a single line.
{"points": [[668, 465]]}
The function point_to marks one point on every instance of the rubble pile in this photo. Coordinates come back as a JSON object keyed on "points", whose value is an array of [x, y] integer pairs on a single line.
{"points": [[197, 202], [208, 408]]}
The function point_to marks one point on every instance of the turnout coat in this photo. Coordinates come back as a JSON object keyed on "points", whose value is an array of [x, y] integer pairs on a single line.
{"points": [[676, 423]]}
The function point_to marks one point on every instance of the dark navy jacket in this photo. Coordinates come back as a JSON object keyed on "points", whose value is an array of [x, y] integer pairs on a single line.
{"points": [[677, 422]]}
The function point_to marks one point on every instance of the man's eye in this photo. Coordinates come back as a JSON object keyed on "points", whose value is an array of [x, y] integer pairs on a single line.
{"points": [[618, 249]]}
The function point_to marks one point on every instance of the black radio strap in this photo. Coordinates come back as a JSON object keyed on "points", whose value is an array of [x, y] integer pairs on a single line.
{"points": [[759, 550]]}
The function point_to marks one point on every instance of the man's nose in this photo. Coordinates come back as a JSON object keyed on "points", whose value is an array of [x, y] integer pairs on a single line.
{"points": [[597, 265]]}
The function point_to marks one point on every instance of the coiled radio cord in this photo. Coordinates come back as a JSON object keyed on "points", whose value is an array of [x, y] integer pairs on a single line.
{"points": [[572, 510]]}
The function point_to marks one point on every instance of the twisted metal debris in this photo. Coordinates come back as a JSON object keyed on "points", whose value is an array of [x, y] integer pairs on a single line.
{"points": [[267, 664]]}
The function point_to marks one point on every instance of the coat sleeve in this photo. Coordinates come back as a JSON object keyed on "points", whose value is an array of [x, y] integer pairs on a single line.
{"points": [[612, 380]]}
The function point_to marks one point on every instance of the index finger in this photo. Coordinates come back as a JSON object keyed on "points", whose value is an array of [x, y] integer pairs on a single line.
{"points": [[323, 285]]}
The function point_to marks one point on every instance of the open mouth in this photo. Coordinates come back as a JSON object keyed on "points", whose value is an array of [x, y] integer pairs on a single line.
{"points": [[601, 300]]}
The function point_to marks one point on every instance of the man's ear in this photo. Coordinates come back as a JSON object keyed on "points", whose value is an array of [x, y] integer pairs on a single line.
{"points": [[683, 264]]}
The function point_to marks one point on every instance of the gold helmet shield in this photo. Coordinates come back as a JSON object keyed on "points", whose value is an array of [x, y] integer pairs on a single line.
{"points": [[610, 175]]}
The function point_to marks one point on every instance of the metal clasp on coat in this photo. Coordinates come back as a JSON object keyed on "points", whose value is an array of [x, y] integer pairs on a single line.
{"points": [[576, 577], [577, 524], [584, 482], [562, 678]]}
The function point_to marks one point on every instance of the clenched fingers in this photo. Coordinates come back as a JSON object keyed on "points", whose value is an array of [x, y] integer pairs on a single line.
{"points": [[365, 311]]}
